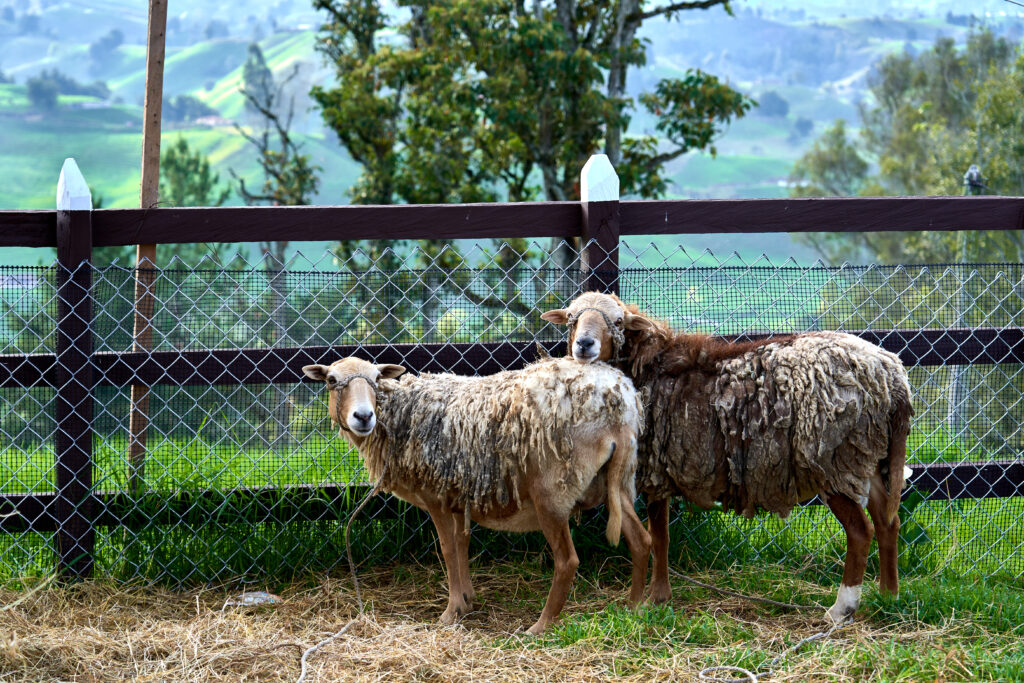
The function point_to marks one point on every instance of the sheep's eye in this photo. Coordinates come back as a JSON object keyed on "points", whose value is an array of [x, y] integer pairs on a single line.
{"points": [[619, 321], [332, 381]]}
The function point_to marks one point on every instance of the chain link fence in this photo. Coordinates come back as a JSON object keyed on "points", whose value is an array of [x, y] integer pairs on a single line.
{"points": [[243, 479]]}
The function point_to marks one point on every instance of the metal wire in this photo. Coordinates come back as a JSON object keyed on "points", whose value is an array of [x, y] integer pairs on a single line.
{"points": [[247, 480]]}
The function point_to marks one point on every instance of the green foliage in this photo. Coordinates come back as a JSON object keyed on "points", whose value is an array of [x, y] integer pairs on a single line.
{"points": [[186, 179], [932, 116], [257, 78], [466, 99], [772, 104], [42, 93], [102, 48], [185, 108]]}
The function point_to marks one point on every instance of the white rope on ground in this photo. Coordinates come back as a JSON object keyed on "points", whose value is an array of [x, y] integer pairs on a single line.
{"points": [[750, 676], [355, 582]]}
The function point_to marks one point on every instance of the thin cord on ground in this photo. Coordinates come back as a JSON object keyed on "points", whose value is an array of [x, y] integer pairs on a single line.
{"points": [[750, 676], [355, 582], [753, 598]]}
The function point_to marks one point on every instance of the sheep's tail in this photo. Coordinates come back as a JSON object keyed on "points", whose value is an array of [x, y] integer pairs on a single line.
{"points": [[899, 428], [616, 472]]}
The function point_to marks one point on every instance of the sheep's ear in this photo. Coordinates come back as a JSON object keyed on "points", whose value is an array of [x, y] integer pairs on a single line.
{"points": [[557, 316], [636, 322], [388, 371], [317, 372]]}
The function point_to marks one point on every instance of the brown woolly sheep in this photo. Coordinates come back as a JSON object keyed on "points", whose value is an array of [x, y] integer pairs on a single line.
{"points": [[516, 451], [760, 425]]}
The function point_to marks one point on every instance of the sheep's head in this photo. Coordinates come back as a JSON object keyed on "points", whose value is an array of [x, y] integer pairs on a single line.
{"points": [[596, 325], [352, 386]]}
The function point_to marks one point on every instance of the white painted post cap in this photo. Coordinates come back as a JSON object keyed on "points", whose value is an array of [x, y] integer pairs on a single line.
{"points": [[598, 180], [72, 190]]}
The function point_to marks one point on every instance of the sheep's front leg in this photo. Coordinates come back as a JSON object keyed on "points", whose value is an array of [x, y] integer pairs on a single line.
{"points": [[556, 530], [457, 606], [657, 520], [858, 541], [461, 536]]}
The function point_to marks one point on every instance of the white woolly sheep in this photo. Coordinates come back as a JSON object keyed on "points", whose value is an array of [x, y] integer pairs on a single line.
{"points": [[516, 451], [760, 425]]}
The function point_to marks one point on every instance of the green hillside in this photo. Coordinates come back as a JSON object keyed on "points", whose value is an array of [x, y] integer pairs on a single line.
{"points": [[107, 145]]}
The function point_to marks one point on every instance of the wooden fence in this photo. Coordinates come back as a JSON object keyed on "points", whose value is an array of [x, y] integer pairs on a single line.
{"points": [[601, 220]]}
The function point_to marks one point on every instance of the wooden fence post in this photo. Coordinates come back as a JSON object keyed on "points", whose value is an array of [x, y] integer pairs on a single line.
{"points": [[145, 254], [599, 194], [74, 376]]}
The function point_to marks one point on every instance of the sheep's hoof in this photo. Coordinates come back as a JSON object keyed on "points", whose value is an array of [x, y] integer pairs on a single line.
{"points": [[660, 595], [536, 629], [453, 614]]}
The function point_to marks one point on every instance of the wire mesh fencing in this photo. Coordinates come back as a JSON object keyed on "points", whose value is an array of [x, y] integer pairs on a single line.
{"points": [[242, 475]]}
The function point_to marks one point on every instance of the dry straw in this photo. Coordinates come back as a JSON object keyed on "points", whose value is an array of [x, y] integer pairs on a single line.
{"points": [[98, 632]]}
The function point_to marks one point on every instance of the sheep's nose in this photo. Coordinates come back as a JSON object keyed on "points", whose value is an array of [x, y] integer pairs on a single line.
{"points": [[585, 343], [363, 416]]}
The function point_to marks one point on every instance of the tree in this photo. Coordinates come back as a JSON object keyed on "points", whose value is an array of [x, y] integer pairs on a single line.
{"points": [[831, 168], [216, 29], [102, 48], [468, 101], [932, 115], [289, 179], [42, 93], [186, 108], [772, 103], [257, 79], [476, 98], [186, 179], [803, 126]]}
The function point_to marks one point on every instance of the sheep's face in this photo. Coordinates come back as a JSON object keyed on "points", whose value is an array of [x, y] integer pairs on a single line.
{"points": [[595, 321], [351, 385]]}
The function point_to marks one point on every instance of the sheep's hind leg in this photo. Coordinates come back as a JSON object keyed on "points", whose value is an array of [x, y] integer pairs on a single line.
{"points": [[887, 534], [858, 540], [461, 535], [556, 530], [639, 543], [443, 522], [657, 520]]}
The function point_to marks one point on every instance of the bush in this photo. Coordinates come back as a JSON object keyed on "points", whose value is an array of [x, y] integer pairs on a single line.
{"points": [[772, 103], [186, 108], [66, 85], [42, 93], [101, 50]]}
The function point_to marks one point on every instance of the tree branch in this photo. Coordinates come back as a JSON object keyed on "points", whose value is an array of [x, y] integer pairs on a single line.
{"points": [[676, 7]]}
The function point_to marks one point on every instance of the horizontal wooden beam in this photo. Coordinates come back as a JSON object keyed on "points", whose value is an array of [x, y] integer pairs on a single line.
{"points": [[116, 227], [967, 346], [284, 365], [311, 502], [28, 228], [270, 366], [826, 214]]}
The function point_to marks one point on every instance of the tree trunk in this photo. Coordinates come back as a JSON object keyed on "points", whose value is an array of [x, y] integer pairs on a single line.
{"points": [[278, 324]]}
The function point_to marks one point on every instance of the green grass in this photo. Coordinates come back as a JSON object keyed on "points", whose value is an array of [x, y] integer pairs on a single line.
{"points": [[939, 628], [190, 464]]}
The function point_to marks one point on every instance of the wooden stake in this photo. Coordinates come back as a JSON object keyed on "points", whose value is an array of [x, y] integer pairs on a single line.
{"points": [[145, 255]]}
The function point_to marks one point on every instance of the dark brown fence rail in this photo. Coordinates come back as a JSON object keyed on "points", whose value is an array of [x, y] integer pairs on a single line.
{"points": [[71, 509]]}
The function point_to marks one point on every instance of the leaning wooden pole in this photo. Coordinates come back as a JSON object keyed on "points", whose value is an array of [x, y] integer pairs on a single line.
{"points": [[145, 256]]}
